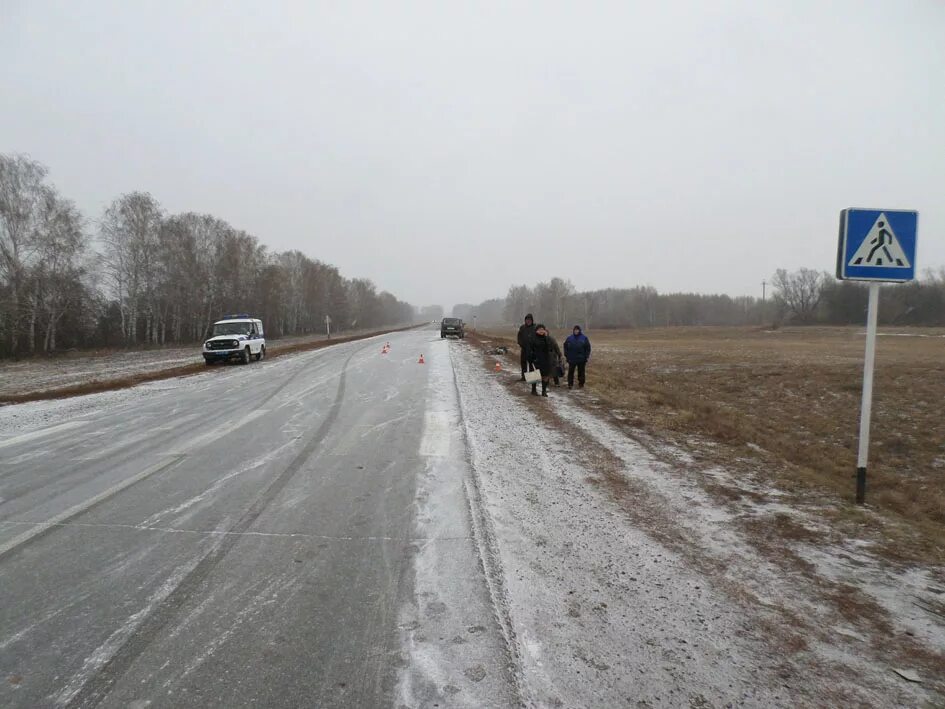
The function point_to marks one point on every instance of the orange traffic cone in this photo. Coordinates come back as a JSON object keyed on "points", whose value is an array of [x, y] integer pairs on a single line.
{"points": [[498, 367], [421, 360]]}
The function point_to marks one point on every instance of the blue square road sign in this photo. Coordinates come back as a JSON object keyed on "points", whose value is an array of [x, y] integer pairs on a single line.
{"points": [[877, 245]]}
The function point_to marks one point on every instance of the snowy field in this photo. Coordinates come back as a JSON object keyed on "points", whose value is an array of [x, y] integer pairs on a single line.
{"points": [[43, 374]]}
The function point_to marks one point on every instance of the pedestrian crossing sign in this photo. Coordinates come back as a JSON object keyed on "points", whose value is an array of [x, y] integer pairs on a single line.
{"points": [[877, 245]]}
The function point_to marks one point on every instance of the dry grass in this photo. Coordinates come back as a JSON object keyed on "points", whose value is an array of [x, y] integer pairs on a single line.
{"points": [[786, 404], [274, 349]]}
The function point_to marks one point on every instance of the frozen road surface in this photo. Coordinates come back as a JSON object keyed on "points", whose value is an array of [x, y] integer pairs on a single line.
{"points": [[345, 528], [248, 537]]}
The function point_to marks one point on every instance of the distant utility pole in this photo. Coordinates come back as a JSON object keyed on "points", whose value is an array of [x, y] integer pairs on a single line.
{"points": [[763, 292]]}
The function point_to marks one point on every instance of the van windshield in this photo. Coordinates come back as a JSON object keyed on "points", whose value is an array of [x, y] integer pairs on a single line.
{"points": [[231, 328]]}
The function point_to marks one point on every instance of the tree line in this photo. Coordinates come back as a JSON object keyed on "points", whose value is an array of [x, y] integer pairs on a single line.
{"points": [[807, 296], [140, 276], [804, 297]]}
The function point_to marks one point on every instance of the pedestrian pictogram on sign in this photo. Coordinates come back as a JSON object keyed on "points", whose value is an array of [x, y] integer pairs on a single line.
{"points": [[877, 245], [880, 248]]}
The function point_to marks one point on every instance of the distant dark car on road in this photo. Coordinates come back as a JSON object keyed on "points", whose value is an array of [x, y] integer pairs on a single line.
{"points": [[452, 326]]}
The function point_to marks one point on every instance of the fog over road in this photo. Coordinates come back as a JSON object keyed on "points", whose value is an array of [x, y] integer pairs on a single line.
{"points": [[246, 538]]}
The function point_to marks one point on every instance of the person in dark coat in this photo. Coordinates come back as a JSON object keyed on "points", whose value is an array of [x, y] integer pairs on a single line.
{"points": [[525, 335], [556, 369], [543, 357], [577, 350]]}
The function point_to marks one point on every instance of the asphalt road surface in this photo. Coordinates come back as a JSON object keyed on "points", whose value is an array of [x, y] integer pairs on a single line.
{"points": [[251, 537]]}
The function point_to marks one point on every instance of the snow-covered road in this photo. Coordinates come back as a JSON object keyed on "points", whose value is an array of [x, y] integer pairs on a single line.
{"points": [[350, 528]]}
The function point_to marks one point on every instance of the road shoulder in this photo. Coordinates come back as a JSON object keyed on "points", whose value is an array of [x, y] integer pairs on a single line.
{"points": [[625, 580]]}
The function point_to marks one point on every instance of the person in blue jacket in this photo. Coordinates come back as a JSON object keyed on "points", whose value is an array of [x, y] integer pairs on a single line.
{"points": [[577, 350]]}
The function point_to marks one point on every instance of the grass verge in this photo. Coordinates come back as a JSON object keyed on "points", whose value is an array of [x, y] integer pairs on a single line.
{"points": [[777, 537], [782, 407]]}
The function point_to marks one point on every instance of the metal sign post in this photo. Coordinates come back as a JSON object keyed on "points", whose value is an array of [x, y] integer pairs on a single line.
{"points": [[875, 245], [866, 405]]}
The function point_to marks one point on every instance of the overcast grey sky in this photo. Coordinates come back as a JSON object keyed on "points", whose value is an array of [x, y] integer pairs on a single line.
{"points": [[447, 150]]}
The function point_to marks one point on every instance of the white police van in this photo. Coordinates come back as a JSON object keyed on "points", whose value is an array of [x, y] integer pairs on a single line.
{"points": [[239, 337]]}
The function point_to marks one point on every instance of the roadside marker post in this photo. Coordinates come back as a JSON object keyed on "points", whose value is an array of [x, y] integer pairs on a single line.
{"points": [[328, 325], [877, 246], [866, 402]]}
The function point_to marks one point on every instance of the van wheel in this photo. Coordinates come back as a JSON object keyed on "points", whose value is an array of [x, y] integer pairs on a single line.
{"points": [[261, 353], [244, 356]]}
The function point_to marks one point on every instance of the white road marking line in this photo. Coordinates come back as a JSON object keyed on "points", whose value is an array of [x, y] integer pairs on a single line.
{"points": [[22, 438], [218, 432], [435, 442], [58, 519]]}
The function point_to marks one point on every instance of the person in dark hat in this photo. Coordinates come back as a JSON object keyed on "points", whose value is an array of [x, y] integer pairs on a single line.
{"points": [[577, 350], [543, 357], [525, 335]]}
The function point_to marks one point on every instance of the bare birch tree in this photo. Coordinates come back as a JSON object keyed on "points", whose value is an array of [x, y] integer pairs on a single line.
{"points": [[129, 231], [22, 194]]}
